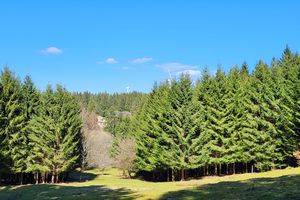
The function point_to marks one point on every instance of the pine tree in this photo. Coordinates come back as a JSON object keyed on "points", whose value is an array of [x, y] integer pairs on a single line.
{"points": [[235, 146], [55, 134], [183, 124], [215, 119], [14, 139], [290, 64], [239, 121], [30, 103], [148, 131], [263, 129], [282, 117], [203, 99]]}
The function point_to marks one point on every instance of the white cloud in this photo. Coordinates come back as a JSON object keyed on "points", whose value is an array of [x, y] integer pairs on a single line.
{"points": [[52, 50], [108, 61], [141, 60], [195, 73], [175, 66], [111, 61]]}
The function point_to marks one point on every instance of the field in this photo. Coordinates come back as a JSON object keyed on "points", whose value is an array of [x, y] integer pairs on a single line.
{"points": [[277, 184]]}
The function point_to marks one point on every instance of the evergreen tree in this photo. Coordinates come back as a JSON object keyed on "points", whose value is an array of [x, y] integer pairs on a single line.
{"points": [[282, 117], [202, 100], [13, 135], [31, 102], [215, 119], [149, 131], [55, 134], [183, 124], [263, 129]]}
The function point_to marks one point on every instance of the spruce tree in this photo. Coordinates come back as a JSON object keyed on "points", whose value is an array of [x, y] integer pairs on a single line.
{"points": [[14, 138], [215, 119], [202, 101], [148, 130], [263, 130], [282, 117], [55, 134], [183, 124]]}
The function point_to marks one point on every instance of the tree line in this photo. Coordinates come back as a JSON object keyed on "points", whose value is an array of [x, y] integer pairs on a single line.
{"points": [[39, 131], [224, 124]]}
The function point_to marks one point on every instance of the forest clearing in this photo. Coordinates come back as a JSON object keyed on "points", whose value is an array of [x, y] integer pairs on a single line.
{"points": [[149, 100], [109, 184]]}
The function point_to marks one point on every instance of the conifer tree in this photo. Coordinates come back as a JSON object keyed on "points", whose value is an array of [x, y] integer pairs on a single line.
{"points": [[14, 139], [215, 119], [263, 130], [30, 104], [149, 131], [282, 117], [55, 134], [203, 99], [183, 124]]}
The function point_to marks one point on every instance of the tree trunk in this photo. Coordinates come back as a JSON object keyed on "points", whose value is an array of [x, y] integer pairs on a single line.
{"points": [[57, 178], [62, 177], [246, 167], [52, 178], [227, 169], [43, 178], [252, 168], [182, 174], [37, 178], [129, 173], [233, 168], [168, 175], [216, 169], [21, 178], [172, 174]]}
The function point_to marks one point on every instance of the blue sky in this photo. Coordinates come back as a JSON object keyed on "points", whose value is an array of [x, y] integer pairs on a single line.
{"points": [[107, 45]]}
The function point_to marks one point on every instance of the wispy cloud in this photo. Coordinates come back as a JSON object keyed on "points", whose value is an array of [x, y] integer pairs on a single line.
{"points": [[141, 60], [175, 66], [194, 73], [125, 68], [51, 50], [108, 61]]}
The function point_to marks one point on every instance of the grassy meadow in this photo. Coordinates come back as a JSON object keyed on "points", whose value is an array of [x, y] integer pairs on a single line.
{"points": [[109, 184]]}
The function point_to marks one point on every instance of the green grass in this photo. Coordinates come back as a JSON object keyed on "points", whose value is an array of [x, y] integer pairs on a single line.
{"points": [[277, 184]]}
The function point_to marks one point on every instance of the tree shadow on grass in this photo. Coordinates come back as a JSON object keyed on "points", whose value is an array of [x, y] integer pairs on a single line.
{"points": [[64, 192], [77, 176], [284, 187]]}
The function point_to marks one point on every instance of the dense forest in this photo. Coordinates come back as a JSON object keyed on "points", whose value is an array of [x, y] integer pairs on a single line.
{"points": [[39, 132], [225, 123]]}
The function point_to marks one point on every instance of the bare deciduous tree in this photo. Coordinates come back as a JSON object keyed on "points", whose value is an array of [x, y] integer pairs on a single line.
{"points": [[99, 144], [96, 142], [124, 159]]}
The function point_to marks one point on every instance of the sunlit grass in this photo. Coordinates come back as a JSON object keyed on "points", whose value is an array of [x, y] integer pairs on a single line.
{"points": [[109, 184]]}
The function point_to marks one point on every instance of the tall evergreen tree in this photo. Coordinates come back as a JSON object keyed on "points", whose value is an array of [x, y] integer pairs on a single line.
{"points": [[183, 124], [215, 119], [263, 130], [148, 130], [14, 139], [55, 134]]}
